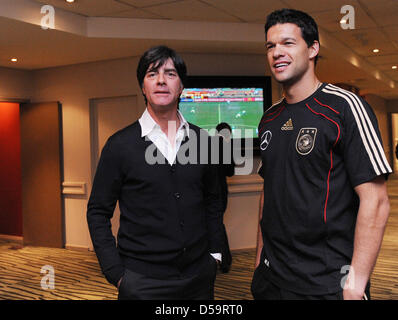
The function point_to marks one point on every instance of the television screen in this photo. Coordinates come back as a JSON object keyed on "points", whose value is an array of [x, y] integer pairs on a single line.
{"points": [[241, 108], [237, 100]]}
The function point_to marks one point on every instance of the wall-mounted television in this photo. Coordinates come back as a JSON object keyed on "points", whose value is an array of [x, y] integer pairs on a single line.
{"points": [[239, 101]]}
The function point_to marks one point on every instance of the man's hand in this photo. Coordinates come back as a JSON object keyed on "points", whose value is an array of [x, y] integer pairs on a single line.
{"points": [[352, 294]]}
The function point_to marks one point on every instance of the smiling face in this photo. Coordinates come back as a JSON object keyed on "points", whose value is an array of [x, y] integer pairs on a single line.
{"points": [[289, 57], [162, 86]]}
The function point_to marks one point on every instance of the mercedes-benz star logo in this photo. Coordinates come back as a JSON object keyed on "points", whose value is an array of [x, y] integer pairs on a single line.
{"points": [[265, 140]]}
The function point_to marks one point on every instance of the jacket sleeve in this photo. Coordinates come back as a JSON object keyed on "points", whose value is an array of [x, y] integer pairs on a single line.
{"points": [[214, 205], [362, 147], [104, 195]]}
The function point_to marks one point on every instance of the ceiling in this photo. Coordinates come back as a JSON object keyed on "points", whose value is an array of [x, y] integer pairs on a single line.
{"points": [[376, 26]]}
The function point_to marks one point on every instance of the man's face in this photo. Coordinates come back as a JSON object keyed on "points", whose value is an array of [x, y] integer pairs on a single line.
{"points": [[162, 86], [287, 52]]}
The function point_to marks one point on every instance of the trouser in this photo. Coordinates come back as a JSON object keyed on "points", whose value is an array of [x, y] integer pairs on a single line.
{"points": [[135, 286], [226, 253], [263, 289]]}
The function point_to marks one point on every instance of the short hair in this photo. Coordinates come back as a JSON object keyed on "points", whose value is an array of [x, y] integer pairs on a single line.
{"points": [[158, 56], [308, 26], [223, 125]]}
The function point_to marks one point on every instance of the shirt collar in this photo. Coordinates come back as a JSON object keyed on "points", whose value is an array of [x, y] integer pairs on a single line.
{"points": [[148, 124]]}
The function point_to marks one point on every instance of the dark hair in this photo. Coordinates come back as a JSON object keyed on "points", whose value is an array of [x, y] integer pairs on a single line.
{"points": [[158, 56], [308, 26], [223, 125]]}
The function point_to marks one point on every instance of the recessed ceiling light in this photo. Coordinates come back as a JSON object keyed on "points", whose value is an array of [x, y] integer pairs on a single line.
{"points": [[14, 59], [394, 67], [70, 1], [376, 50]]}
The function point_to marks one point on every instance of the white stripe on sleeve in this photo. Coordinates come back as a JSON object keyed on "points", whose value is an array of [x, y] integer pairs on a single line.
{"points": [[367, 132]]}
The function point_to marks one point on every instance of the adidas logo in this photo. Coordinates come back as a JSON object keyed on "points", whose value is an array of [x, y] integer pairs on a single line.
{"points": [[288, 125]]}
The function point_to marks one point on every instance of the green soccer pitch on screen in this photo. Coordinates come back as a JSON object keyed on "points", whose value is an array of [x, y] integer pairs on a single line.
{"points": [[241, 108]]}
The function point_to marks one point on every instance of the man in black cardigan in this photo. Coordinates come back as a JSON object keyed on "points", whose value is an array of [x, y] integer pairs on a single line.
{"points": [[170, 232]]}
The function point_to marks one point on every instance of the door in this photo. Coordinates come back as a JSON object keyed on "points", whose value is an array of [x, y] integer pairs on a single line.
{"points": [[41, 156], [10, 171]]}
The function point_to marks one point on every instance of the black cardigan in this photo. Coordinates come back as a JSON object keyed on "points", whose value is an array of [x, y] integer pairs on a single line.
{"points": [[170, 216]]}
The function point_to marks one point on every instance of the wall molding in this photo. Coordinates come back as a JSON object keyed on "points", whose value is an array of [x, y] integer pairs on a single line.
{"points": [[76, 247], [244, 184], [16, 100], [18, 239], [74, 188]]}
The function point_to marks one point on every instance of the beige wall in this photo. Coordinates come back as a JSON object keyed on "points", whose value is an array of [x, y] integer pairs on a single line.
{"points": [[15, 84], [392, 106]]}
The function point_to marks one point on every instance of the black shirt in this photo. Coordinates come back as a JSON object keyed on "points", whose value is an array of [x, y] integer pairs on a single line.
{"points": [[313, 155], [170, 216]]}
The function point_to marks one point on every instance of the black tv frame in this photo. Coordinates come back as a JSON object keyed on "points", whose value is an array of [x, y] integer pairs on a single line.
{"points": [[263, 82]]}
